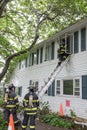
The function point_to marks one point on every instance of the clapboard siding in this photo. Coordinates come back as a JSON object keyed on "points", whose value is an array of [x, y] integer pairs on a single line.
{"points": [[37, 72], [79, 106], [76, 66]]}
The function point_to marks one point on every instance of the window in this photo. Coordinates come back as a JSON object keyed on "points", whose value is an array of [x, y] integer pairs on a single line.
{"points": [[83, 39], [68, 44], [77, 87], [62, 41], [68, 87], [47, 53], [52, 50], [26, 62], [58, 87], [30, 59], [20, 91], [23, 63], [76, 42], [37, 56], [71, 87], [34, 58], [51, 89], [20, 65], [41, 55], [35, 84]]}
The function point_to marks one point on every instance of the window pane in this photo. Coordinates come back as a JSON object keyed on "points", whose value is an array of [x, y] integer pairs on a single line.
{"points": [[68, 87], [83, 39], [32, 58], [76, 82], [52, 50], [58, 87], [26, 62], [76, 42], [36, 85], [77, 87], [20, 65], [68, 49], [41, 55], [47, 53], [23, 64], [35, 58], [77, 93], [20, 91]]}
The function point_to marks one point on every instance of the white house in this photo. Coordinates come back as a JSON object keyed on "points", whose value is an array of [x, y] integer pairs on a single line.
{"points": [[66, 84]]}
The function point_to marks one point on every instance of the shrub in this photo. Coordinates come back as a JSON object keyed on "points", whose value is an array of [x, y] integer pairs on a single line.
{"points": [[54, 120], [72, 113], [43, 110], [3, 123]]}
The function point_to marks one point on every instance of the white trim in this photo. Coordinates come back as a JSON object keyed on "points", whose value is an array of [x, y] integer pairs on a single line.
{"points": [[61, 86]]}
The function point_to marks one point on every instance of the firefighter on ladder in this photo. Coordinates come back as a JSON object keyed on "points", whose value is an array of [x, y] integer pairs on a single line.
{"points": [[11, 104], [62, 54], [30, 104]]}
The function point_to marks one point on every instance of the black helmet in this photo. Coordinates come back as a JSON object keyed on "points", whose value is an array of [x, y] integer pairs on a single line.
{"points": [[11, 86], [31, 87]]}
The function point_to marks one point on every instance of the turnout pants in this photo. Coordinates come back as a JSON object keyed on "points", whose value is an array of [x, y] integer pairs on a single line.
{"points": [[25, 121], [7, 113]]}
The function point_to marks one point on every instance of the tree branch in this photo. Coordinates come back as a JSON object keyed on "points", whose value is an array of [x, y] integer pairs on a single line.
{"points": [[2, 7], [7, 62]]}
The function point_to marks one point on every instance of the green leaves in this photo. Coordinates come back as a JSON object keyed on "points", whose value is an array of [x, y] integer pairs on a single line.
{"points": [[54, 120], [3, 123]]}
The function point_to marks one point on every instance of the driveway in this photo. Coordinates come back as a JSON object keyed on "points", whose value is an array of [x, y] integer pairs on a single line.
{"points": [[43, 126]]}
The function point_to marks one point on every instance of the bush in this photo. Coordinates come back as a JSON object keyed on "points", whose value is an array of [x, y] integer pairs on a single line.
{"points": [[43, 110], [54, 120], [1, 102], [3, 123]]}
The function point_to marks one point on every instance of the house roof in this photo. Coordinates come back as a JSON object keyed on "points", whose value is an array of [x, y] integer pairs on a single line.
{"points": [[67, 30]]}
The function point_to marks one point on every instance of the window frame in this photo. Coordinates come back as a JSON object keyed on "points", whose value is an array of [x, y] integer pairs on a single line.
{"points": [[58, 87], [76, 87], [73, 79], [41, 55], [34, 83], [76, 42], [47, 52]]}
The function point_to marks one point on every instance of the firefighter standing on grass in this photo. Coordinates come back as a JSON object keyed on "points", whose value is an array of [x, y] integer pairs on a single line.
{"points": [[30, 104], [11, 104]]}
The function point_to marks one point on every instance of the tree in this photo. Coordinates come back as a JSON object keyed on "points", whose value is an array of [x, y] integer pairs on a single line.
{"points": [[25, 22]]}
